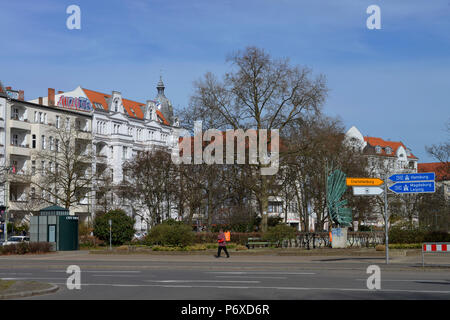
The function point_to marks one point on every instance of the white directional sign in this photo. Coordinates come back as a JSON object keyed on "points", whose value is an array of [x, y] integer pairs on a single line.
{"points": [[367, 191]]}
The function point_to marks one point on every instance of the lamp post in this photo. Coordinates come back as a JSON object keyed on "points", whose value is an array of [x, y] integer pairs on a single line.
{"points": [[110, 225]]}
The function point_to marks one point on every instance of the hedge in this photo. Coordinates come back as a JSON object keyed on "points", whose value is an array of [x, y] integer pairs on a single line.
{"points": [[398, 235], [122, 227], [25, 247], [236, 237], [170, 234]]}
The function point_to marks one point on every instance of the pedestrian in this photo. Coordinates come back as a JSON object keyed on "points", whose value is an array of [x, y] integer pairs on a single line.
{"points": [[222, 244]]}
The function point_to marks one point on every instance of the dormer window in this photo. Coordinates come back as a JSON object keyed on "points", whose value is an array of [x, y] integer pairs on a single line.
{"points": [[378, 149], [388, 150], [116, 105], [98, 105]]}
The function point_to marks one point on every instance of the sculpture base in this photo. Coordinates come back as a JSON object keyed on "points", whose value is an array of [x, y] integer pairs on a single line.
{"points": [[339, 237]]}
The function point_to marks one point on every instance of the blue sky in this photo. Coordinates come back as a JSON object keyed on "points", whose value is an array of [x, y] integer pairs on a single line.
{"points": [[391, 83]]}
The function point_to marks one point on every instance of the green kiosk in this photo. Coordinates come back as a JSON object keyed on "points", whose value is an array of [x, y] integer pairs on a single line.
{"points": [[55, 225]]}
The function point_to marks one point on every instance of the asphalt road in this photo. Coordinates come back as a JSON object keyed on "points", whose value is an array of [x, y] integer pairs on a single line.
{"points": [[238, 278]]}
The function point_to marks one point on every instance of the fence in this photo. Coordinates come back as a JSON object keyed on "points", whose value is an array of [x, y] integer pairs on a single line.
{"points": [[306, 240], [315, 240]]}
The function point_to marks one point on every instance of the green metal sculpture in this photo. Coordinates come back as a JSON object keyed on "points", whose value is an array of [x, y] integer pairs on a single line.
{"points": [[336, 187]]}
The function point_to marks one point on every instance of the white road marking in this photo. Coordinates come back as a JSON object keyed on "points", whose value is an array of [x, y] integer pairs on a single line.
{"points": [[31, 278], [98, 271], [23, 273], [189, 281], [261, 272], [264, 288], [114, 275], [250, 277], [401, 280]]}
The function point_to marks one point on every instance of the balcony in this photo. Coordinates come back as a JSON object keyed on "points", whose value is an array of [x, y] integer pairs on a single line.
{"points": [[20, 177], [17, 123], [100, 158], [20, 150], [84, 135]]}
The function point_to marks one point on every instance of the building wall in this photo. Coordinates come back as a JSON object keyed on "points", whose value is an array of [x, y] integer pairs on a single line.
{"points": [[25, 125]]}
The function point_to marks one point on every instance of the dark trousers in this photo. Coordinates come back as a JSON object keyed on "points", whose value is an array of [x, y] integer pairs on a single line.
{"points": [[224, 249]]}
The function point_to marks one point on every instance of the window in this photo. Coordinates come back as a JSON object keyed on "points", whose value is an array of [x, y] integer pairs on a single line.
{"points": [[36, 118], [15, 140], [43, 142], [274, 207], [33, 193], [378, 149], [33, 167], [14, 165], [50, 141], [15, 113], [98, 105], [57, 145], [124, 152], [45, 118], [57, 123], [116, 105], [111, 151], [41, 117], [42, 166], [33, 141], [67, 123], [388, 150]]}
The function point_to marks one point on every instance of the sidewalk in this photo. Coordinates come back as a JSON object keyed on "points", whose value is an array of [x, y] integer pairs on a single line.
{"points": [[10, 289], [406, 258]]}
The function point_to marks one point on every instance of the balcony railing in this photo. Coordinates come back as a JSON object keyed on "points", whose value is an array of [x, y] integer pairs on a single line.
{"points": [[20, 145], [18, 118]]}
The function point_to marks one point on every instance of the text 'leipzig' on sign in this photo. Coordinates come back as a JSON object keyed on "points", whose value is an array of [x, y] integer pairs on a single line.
{"points": [[413, 187], [423, 176], [363, 182]]}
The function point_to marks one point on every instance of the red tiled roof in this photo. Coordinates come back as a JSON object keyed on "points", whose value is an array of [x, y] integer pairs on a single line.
{"points": [[129, 105], [394, 145], [441, 169]]}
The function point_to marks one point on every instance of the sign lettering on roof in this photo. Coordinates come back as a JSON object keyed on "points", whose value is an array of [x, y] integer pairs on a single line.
{"points": [[80, 103]]}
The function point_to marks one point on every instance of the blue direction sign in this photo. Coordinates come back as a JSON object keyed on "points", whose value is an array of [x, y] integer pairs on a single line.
{"points": [[425, 176], [413, 187]]}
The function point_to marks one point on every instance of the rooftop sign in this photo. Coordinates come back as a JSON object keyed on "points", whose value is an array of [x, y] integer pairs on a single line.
{"points": [[80, 104]]}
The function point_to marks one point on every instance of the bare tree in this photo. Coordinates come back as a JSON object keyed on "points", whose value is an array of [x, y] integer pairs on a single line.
{"points": [[261, 93], [149, 185], [315, 144], [63, 173]]}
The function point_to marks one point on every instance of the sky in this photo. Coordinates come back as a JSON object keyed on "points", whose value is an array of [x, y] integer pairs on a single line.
{"points": [[391, 83]]}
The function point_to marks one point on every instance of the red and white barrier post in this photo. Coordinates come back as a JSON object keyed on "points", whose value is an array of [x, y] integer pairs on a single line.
{"points": [[430, 247]]}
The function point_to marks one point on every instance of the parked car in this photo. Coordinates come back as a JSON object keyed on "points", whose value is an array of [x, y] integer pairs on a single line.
{"points": [[140, 235], [15, 240]]}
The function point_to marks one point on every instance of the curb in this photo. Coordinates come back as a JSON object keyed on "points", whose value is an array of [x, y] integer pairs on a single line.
{"points": [[24, 294]]}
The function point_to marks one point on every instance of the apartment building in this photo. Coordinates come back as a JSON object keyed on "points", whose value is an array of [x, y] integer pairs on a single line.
{"points": [[121, 128], [385, 157], [28, 130]]}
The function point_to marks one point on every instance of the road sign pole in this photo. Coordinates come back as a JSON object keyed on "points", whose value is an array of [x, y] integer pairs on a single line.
{"points": [[110, 224], [386, 220]]}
